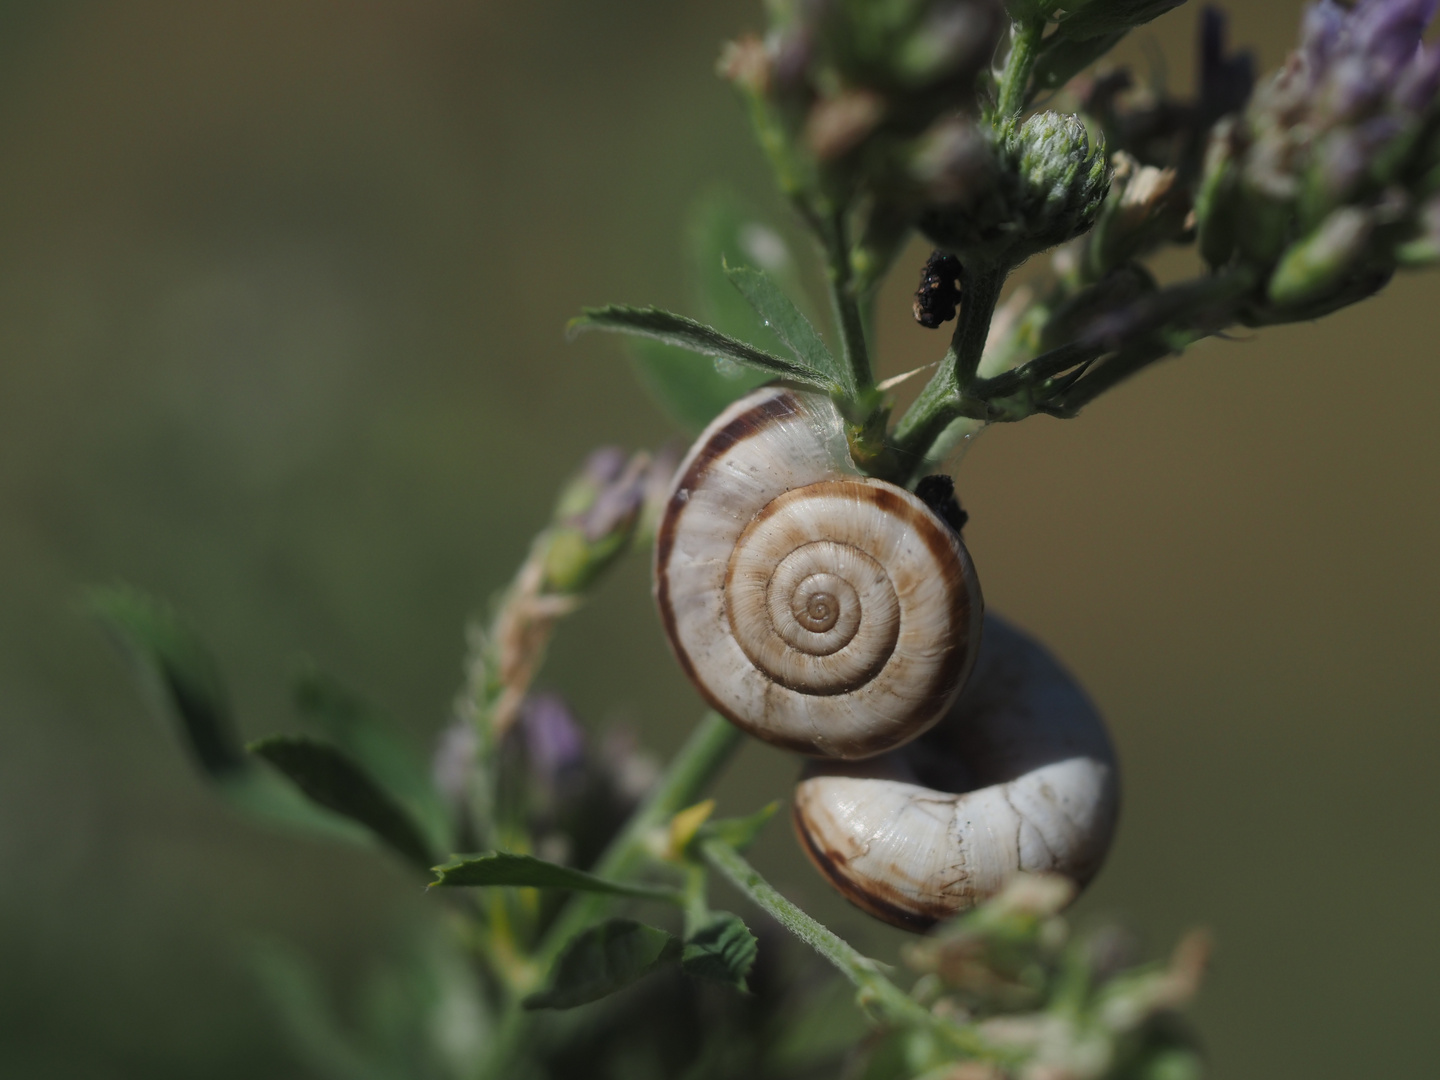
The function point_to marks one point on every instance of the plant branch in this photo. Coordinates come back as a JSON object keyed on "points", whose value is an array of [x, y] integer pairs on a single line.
{"points": [[834, 238], [1015, 79], [890, 1004], [947, 397]]}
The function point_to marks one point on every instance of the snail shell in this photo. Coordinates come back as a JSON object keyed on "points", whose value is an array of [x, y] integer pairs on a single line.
{"points": [[822, 611], [1020, 776]]}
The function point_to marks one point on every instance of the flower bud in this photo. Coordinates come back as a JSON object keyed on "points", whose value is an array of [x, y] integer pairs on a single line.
{"points": [[1314, 187], [596, 518], [1046, 187], [1322, 261]]}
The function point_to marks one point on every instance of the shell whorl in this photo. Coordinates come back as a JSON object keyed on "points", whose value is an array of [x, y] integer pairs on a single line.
{"points": [[822, 611], [1020, 776]]}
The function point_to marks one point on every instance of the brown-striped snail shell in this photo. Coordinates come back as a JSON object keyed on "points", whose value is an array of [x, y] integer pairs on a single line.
{"points": [[820, 610], [1020, 776]]}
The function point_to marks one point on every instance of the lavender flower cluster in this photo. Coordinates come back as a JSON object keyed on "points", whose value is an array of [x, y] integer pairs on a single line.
{"points": [[1329, 181]]}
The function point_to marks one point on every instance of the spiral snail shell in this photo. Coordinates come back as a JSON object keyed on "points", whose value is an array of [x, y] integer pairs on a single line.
{"points": [[820, 610], [1020, 776]]}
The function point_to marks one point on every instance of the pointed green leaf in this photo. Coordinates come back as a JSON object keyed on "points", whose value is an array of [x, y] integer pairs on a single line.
{"points": [[740, 833], [602, 960], [332, 780], [1062, 57], [721, 949], [180, 675], [506, 868], [677, 330], [722, 230], [183, 684], [694, 389], [370, 739], [782, 316]]}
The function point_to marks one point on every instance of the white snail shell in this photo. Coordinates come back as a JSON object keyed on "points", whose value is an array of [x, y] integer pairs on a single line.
{"points": [[822, 611], [1020, 776]]}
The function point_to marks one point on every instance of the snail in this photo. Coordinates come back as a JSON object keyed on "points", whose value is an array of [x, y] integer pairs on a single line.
{"points": [[820, 610], [1019, 776]]}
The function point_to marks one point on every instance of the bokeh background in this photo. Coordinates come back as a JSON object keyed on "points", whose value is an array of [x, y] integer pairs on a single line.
{"points": [[282, 289]]}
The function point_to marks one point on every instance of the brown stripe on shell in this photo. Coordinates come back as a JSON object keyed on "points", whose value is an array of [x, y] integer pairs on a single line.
{"points": [[832, 865], [945, 548], [746, 425], [942, 542], [850, 488]]}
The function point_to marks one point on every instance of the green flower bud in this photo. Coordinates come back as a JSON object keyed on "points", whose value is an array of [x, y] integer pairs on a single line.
{"points": [[1046, 185], [595, 518], [572, 561], [1324, 260], [1216, 209]]}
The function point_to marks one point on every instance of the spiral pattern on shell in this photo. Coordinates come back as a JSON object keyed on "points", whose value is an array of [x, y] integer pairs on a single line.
{"points": [[822, 611]]}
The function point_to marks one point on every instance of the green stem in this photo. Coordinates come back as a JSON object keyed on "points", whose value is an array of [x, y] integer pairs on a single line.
{"points": [[1025, 40], [891, 1004], [708, 750], [981, 287], [835, 238], [946, 398]]}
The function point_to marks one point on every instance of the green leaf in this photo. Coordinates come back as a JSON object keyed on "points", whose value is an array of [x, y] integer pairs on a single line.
{"points": [[1061, 58], [332, 780], [180, 675], [692, 389], [677, 330], [789, 324], [602, 960], [183, 685], [1104, 17], [722, 230], [721, 949], [740, 833], [371, 740], [507, 868]]}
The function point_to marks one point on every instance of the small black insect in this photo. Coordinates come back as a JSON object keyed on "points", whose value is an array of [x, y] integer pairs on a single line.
{"points": [[939, 293], [938, 493]]}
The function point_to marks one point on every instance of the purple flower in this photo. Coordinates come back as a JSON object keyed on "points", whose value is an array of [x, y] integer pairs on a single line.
{"points": [[1354, 59], [554, 743]]}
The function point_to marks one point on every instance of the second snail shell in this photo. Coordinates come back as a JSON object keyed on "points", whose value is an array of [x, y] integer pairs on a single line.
{"points": [[1019, 777], [820, 610]]}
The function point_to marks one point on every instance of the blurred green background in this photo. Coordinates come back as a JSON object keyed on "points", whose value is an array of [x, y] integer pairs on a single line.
{"points": [[282, 287]]}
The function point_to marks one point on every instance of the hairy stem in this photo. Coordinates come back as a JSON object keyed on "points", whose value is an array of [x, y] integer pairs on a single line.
{"points": [[888, 1002], [1015, 79]]}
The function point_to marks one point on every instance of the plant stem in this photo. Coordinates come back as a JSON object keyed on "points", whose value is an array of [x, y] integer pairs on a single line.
{"points": [[981, 287], [1109, 374], [708, 750], [835, 239], [1015, 79], [946, 397], [891, 1004]]}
